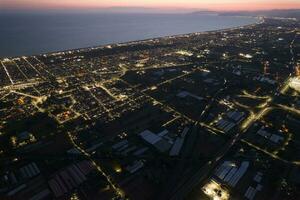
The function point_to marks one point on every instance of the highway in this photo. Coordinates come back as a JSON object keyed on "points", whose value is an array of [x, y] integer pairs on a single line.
{"points": [[183, 189], [197, 177]]}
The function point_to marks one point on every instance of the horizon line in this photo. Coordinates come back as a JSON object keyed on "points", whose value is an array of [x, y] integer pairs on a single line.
{"points": [[125, 8]]}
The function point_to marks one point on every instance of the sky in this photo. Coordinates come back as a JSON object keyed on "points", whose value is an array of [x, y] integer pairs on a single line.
{"points": [[217, 5]]}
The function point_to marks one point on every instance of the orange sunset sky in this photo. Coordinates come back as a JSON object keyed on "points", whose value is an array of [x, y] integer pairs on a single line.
{"points": [[162, 4]]}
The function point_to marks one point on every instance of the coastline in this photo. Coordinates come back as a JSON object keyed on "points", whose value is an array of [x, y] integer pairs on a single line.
{"points": [[260, 20]]}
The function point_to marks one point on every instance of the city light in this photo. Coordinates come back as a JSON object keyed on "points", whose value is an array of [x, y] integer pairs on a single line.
{"points": [[215, 191]]}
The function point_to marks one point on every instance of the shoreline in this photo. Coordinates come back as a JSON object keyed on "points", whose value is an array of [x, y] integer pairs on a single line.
{"points": [[260, 20]]}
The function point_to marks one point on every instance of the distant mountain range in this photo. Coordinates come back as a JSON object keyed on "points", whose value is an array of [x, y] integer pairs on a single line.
{"points": [[292, 13], [146, 10], [122, 10]]}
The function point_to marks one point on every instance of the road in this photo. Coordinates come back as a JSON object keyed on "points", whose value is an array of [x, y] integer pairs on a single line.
{"points": [[181, 191]]}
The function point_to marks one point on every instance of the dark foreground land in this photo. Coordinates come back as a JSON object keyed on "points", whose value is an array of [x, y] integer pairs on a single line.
{"points": [[212, 115]]}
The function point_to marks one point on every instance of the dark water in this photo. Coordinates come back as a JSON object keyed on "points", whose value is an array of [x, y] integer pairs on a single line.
{"points": [[27, 34]]}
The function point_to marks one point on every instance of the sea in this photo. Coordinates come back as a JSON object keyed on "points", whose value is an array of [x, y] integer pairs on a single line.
{"points": [[37, 33]]}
